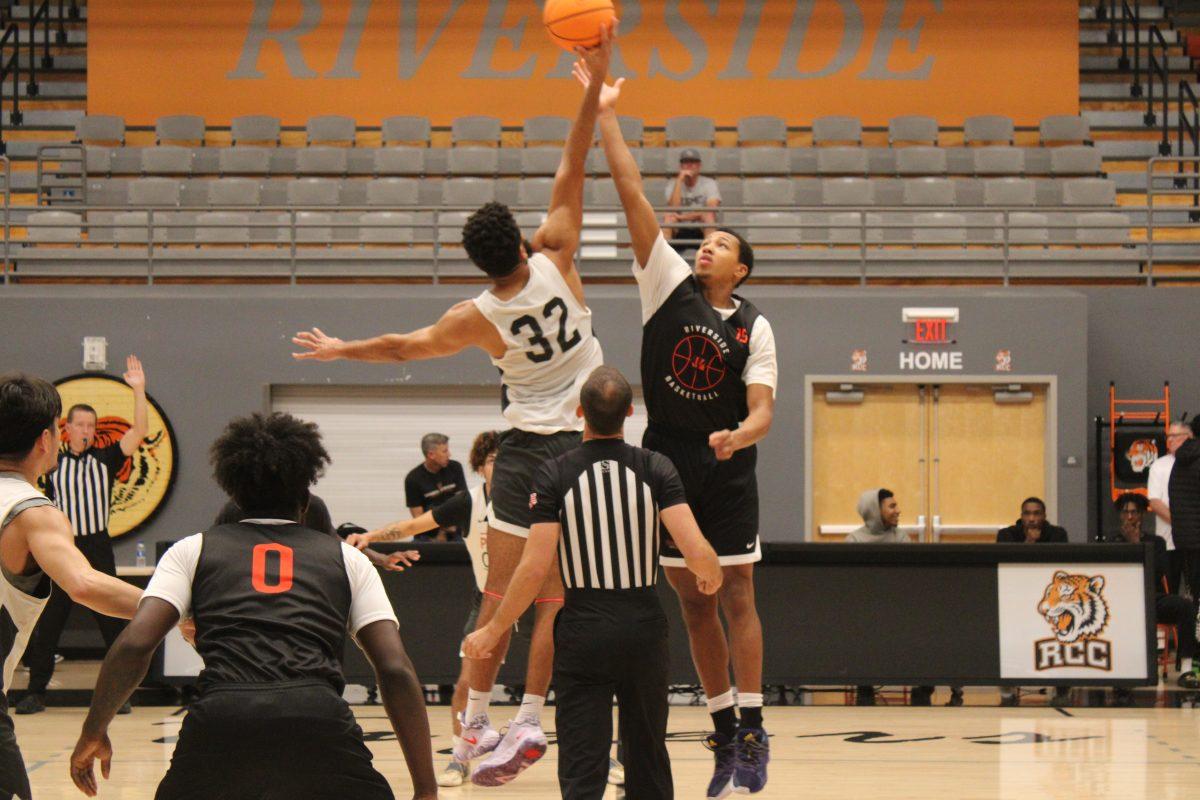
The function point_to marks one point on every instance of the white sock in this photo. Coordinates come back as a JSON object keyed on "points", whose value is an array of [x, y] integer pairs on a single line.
{"points": [[531, 708], [1185, 664], [456, 741], [477, 703], [723, 701], [747, 700]]}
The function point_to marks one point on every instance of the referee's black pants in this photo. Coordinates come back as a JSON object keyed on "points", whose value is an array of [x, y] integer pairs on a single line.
{"points": [[39, 655], [611, 642]]}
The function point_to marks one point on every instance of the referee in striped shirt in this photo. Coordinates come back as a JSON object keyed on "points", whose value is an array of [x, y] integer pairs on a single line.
{"points": [[601, 508], [82, 489]]}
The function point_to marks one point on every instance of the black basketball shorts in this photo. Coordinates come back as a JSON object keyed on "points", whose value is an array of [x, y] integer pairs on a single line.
{"points": [[723, 496], [14, 781], [520, 455], [272, 742]]}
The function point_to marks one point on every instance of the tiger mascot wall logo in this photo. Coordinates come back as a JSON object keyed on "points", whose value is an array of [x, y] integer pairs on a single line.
{"points": [[1074, 607], [1141, 454]]}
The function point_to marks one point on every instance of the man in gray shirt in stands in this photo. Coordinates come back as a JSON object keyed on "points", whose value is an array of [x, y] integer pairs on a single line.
{"points": [[699, 195]]}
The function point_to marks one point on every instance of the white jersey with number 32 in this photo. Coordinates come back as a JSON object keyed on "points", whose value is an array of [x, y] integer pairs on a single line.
{"points": [[549, 352]]}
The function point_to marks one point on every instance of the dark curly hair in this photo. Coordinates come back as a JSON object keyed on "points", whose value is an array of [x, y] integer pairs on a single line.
{"points": [[28, 407], [493, 240], [1143, 505], [267, 463], [484, 445]]}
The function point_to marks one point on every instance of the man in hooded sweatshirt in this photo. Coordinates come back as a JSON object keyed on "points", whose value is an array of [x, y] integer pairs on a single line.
{"points": [[881, 515]]}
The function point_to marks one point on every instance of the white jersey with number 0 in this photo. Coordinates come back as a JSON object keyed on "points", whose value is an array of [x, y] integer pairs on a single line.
{"points": [[549, 352]]}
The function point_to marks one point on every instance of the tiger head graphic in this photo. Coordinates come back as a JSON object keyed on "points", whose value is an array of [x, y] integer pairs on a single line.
{"points": [[1141, 454], [1074, 606]]}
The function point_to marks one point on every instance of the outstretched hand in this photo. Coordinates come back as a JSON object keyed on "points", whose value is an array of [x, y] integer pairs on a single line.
{"points": [[87, 750], [609, 94], [317, 346], [596, 58], [135, 376]]}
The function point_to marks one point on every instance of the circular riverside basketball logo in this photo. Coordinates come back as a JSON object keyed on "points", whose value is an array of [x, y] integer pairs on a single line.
{"points": [[697, 363], [143, 482]]}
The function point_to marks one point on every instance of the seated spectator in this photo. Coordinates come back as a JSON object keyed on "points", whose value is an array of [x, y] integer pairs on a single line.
{"points": [[432, 482], [1169, 609], [692, 190], [1032, 526], [880, 512]]}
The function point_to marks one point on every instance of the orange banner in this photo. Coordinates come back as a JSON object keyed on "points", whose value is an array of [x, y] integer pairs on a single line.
{"points": [[725, 59]]}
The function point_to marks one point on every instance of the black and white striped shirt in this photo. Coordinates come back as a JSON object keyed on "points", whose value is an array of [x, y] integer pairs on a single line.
{"points": [[607, 496], [82, 486]]}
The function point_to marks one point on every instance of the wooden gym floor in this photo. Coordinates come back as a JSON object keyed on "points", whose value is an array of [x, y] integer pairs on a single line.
{"points": [[818, 752]]}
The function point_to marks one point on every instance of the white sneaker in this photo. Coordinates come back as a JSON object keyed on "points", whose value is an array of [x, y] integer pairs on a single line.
{"points": [[524, 743], [477, 738], [453, 775], [616, 773]]}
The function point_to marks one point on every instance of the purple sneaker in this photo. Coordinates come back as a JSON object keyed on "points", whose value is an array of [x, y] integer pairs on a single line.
{"points": [[753, 752], [724, 756]]}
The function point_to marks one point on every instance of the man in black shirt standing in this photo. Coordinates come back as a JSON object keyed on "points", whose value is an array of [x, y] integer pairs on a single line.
{"points": [[272, 602], [709, 374], [82, 488], [432, 482], [599, 508]]}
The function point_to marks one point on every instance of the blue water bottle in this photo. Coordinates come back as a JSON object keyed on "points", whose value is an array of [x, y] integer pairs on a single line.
{"points": [[140, 558]]}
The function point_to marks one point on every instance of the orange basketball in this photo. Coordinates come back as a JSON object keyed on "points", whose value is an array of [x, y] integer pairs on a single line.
{"points": [[577, 23]]}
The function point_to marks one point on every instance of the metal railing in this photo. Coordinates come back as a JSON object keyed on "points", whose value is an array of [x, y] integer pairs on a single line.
{"points": [[856, 237], [10, 66], [1169, 184], [6, 172], [1188, 130], [1158, 68], [1129, 18]]}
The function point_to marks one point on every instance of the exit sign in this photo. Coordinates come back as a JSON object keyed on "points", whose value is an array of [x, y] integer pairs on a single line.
{"points": [[931, 331]]}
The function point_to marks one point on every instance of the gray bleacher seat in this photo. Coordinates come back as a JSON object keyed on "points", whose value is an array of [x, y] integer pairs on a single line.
{"points": [[475, 129], [535, 192], [546, 129], [313, 192], [392, 192], [406, 130], [847, 192], [313, 227], [179, 128], [841, 161], [244, 160], [194, 192], [283, 160], [1009, 192], [921, 160], [166, 160], [162, 192], [255, 128], [1063, 128], [767, 192], [731, 190], [802, 160], [399, 161], [386, 227], [763, 161], [691, 128], [988, 129], [53, 226], [540, 160], [330, 128], [999, 160], [888, 191], [223, 227], [1079, 159], [1102, 227], [1089, 192], [762, 129], [126, 161], [603, 192], [782, 227], [948, 227], [913, 128], [100, 128], [846, 227], [836, 129], [473, 161], [98, 160], [234, 192], [1028, 227], [929, 192], [806, 191], [632, 128], [597, 164], [468, 191], [968, 191], [322, 161]]}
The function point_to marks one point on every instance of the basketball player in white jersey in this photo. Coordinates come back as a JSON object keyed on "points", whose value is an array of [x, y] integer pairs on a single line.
{"points": [[37, 546], [537, 329]]}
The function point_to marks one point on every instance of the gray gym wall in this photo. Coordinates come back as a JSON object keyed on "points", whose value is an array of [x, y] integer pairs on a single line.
{"points": [[211, 353]]}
